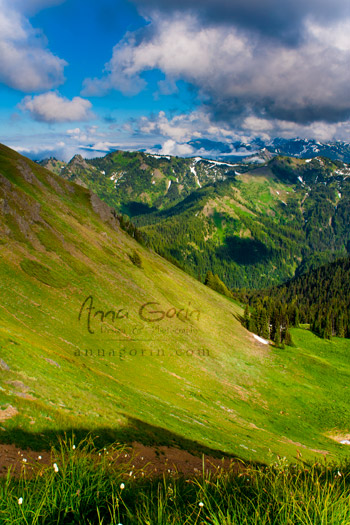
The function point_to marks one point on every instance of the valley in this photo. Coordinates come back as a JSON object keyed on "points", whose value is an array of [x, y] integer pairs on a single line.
{"points": [[252, 226]]}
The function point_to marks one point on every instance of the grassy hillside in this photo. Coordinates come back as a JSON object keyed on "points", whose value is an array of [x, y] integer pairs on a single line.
{"points": [[192, 376]]}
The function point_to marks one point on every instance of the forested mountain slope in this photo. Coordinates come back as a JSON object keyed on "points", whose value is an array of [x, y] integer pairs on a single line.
{"points": [[320, 298], [254, 227]]}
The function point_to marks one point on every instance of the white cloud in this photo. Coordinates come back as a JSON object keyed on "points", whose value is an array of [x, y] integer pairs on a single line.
{"points": [[25, 62], [51, 107], [75, 131], [198, 125], [52, 148], [170, 147], [336, 35], [184, 127], [257, 124], [239, 74]]}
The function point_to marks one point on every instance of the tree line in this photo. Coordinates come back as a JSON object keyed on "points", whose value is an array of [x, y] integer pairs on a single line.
{"points": [[319, 298]]}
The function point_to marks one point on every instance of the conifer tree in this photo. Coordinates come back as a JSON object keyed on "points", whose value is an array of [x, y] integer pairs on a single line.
{"points": [[277, 338], [288, 338], [340, 328], [328, 328], [265, 328], [296, 317]]}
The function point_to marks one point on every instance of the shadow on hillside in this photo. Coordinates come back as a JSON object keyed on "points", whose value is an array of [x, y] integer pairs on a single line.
{"points": [[244, 250], [238, 317], [135, 430], [133, 209]]}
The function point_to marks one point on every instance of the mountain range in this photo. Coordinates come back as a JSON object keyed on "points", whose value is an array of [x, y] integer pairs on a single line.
{"points": [[257, 149], [252, 225]]}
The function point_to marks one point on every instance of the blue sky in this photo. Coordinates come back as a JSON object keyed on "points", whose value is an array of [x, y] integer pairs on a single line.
{"points": [[89, 77]]}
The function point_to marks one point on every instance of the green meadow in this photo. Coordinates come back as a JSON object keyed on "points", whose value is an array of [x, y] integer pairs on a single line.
{"points": [[94, 340]]}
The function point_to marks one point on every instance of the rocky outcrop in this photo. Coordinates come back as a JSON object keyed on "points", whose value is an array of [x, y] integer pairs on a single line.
{"points": [[105, 212]]}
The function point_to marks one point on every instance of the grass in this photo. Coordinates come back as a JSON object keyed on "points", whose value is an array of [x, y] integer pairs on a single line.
{"points": [[42, 273], [86, 485], [199, 381]]}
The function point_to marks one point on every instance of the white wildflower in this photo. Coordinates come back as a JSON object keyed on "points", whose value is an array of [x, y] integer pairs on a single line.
{"points": [[201, 504], [55, 467], [122, 486], [20, 501]]}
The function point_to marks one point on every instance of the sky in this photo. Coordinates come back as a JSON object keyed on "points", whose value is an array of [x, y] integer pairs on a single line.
{"points": [[92, 76]]}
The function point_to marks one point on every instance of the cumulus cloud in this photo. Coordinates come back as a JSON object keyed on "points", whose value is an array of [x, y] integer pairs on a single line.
{"points": [[51, 107], [25, 62], [170, 147], [183, 127], [223, 49], [271, 18], [197, 126]]}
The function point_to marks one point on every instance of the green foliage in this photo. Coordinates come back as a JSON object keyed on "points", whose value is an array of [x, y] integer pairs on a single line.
{"points": [[320, 298], [88, 485], [135, 258], [215, 283]]}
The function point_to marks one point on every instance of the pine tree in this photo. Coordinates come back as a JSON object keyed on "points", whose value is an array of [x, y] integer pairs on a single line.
{"points": [[277, 339], [288, 338], [328, 328], [252, 326], [209, 279], [265, 328], [296, 317], [340, 328]]}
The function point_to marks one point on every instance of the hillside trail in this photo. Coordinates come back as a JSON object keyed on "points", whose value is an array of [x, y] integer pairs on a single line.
{"points": [[141, 459]]}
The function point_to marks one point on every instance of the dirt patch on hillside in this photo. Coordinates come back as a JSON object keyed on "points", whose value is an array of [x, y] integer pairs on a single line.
{"points": [[16, 459], [8, 412], [170, 459], [141, 460]]}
